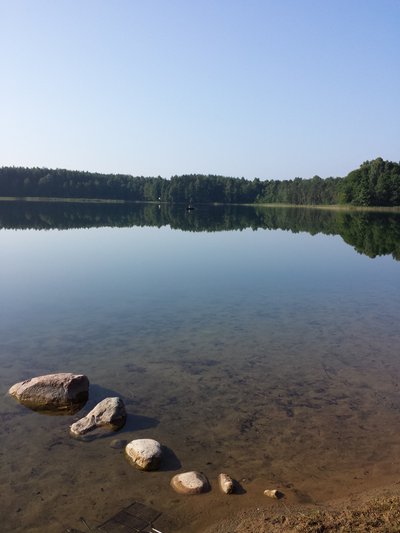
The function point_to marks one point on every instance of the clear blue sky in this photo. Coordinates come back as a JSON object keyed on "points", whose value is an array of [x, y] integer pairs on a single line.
{"points": [[253, 88]]}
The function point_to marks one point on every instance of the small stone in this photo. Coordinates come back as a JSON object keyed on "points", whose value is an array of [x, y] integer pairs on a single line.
{"points": [[145, 454], [64, 392], [273, 493], [225, 483], [108, 414], [190, 483], [118, 444]]}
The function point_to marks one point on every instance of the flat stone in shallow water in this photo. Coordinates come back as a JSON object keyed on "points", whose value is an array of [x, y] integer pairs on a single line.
{"points": [[273, 493], [145, 454], [109, 414], [225, 483], [190, 483], [62, 393]]}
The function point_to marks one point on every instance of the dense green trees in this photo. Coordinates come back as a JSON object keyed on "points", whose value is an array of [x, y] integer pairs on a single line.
{"points": [[315, 191], [60, 183], [374, 183]]}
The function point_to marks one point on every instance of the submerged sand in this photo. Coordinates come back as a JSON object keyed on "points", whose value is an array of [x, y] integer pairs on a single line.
{"points": [[332, 434], [289, 383]]}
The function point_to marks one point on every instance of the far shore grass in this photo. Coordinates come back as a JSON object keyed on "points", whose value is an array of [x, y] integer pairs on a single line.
{"points": [[335, 207], [64, 200]]}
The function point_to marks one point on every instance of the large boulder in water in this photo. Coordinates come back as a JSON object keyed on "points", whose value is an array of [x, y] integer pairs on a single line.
{"points": [[108, 414], [145, 454], [60, 393], [190, 483]]}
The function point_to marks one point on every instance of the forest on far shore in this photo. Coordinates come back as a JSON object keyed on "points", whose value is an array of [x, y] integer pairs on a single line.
{"points": [[374, 183]]}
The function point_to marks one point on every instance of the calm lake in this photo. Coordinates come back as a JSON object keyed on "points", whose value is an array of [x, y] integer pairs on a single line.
{"points": [[264, 343]]}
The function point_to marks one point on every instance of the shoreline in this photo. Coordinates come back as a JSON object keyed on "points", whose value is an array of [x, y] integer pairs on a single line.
{"points": [[377, 508], [333, 207]]}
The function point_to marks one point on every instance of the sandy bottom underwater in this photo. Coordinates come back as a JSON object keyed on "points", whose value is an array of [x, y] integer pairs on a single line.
{"points": [[317, 420]]}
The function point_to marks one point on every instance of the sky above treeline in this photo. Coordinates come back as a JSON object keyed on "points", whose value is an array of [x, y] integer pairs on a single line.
{"points": [[272, 89]]}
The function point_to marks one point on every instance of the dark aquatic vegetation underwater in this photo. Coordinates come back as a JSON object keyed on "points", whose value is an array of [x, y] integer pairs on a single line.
{"points": [[271, 355]]}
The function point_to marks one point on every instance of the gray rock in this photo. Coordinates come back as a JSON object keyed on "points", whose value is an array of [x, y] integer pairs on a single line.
{"points": [[108, 414], [190, 483], [225, 483], [145, 454], [63, 393]]}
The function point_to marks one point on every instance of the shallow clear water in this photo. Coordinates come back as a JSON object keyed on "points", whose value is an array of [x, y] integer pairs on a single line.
{"points": [[268, 354]]}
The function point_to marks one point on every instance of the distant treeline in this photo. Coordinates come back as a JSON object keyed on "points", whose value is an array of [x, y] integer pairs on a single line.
{"points": [[375, 183], [369, 232]]}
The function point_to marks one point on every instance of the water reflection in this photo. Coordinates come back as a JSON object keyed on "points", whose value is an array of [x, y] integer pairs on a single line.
{"points": [[370, 233], [267, 355]]}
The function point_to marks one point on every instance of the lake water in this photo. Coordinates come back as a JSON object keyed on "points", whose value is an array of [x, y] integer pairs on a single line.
{"points": [[263, 343]]}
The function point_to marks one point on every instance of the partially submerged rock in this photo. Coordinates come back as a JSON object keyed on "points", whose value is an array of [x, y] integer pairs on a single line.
{"points": [[273, 493], [190, 483], [225, 483], [108, 414], [145, 454], [118, 444], [59, 393]]}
